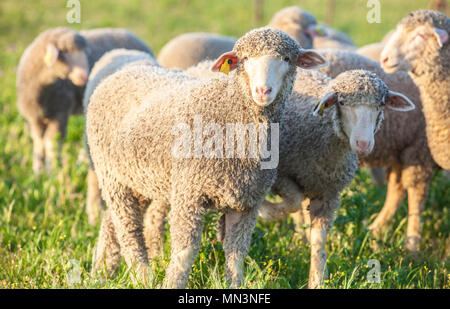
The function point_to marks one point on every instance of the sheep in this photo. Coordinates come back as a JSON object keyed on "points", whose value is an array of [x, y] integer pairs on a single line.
{"points": [[420, 46], [318, 154], [108, 64], [50, 82], [298, 23], [400, 146], [130, 149], [189, 49]]}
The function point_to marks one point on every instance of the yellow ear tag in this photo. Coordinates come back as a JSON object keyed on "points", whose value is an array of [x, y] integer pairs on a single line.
{"points": [[322, 108], [225, 67]]}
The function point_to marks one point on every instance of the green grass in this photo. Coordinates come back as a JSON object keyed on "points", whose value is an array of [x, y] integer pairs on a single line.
{"points": [[42, 221]]}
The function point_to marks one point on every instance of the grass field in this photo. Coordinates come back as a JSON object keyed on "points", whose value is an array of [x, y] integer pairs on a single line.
{"points": [[43, 227]]}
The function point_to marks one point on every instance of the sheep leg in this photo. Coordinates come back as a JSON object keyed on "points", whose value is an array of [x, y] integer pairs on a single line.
{"points": [[323, 214], [302, 221], [154, 227], [238, 231], [94, 202], [416, 201], [394, 197], [292, 198], [54, 128], [186, 225], [37, 130], [107, 251], [127, 217]]}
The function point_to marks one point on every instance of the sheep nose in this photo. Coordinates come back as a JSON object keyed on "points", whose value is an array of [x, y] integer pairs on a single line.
{"points": [[385, 60], [263, 90], [363, 146]]}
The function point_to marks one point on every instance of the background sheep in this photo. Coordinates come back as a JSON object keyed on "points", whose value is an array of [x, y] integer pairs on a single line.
{"points": [[400, 146], [50, 81], [420, 46], [189, 49], [108, 64], [317, 153], [134, 166]]}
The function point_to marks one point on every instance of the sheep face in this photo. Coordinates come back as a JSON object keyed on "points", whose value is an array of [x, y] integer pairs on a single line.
{"points": [[265, 61], [406, 48], [72, 65], [359, 98]]}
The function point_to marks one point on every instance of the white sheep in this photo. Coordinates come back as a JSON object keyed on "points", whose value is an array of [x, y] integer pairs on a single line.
{"points": [[420, 46], [318, 151], [401, 146], [132, 133], [108, 64]]}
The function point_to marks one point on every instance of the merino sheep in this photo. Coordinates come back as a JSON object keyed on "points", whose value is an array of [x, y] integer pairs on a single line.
{"points": [[108, 64], [50, 81], [420, 46], [189, 49], [318, 153], [130, 149], [400, 146]]}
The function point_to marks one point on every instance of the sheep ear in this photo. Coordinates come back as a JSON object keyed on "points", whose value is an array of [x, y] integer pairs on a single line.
{"points": [[225, 63], [441, 36], [399, 102], [328, 100], [51, 55], [310, 59]]}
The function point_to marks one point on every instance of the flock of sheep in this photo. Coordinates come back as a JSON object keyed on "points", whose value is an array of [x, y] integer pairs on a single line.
{"points": [[335, 107]]}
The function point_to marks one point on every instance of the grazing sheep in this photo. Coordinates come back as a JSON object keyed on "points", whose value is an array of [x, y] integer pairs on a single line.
{"points": [[189, 49], [132, 130], [420, 46], [400, 146], [108, 64], [50, 82], [318, 153]]}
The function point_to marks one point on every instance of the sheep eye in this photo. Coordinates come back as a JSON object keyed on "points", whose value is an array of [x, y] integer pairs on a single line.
{"points": [[341, 103], [245, 58], [286, 59]]}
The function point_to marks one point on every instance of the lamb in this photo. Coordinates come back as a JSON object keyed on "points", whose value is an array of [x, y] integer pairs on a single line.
{"points": [[130, 149], [50, 82], [189, 49], [420, 46], [108, 64], [400, 146], [318, 154]]}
